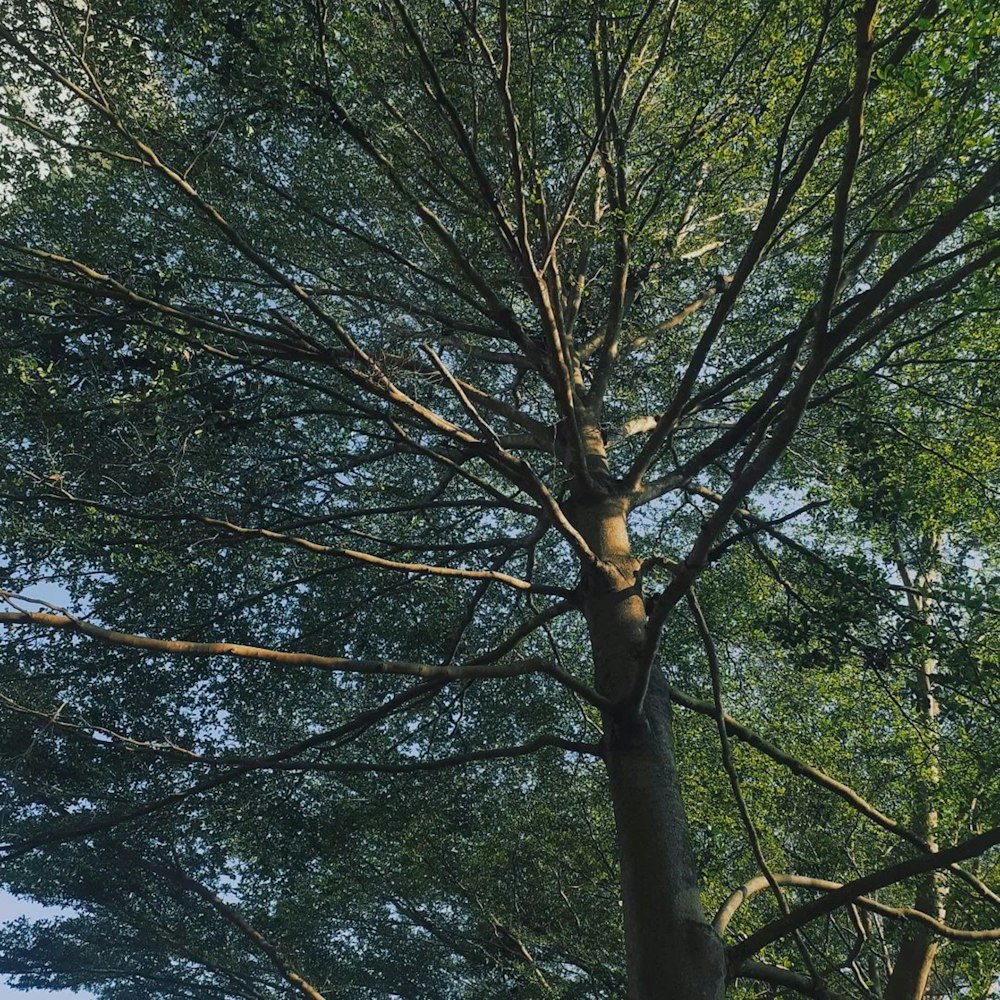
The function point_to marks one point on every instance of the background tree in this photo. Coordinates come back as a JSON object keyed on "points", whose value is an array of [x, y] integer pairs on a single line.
{"points": [[413, 402]]}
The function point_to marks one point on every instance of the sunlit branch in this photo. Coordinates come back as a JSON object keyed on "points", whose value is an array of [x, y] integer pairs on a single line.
{"points": [[106, 737], [820, 778], [417, 569], [284, 658], [463, 398], [353, 555], [728, 909], [232, 916], [715, 671], [60, 620], [849, 892]]}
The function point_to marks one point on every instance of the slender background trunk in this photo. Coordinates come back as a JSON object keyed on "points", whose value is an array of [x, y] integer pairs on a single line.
{"points": [[915, 960]]}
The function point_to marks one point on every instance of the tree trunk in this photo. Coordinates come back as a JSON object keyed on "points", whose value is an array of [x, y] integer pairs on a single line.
{"points": [[671, 950], [912, 968]]}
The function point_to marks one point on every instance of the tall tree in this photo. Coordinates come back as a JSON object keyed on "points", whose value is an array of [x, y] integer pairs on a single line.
{"points": [[414, 401]]}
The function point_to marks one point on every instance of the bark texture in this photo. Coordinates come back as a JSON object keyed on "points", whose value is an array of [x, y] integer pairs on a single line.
{"points": [[672, 951], [913, 966], [911, 971]]}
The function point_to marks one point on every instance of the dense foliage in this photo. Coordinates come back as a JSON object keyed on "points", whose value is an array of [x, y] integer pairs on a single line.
{"points": [[325, 330]]}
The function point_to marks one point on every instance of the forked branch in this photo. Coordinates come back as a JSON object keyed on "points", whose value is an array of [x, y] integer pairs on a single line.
{"points": [[850, 892]]}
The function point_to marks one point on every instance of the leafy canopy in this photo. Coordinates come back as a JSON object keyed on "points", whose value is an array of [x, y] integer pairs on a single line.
{"points": [[325, 325]]}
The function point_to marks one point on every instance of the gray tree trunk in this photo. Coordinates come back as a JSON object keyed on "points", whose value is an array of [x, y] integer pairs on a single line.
{"points": [[672, 952], [915, 960]]}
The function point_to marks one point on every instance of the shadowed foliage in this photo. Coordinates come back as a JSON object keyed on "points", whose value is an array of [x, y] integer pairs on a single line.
{"points": [[500, 500]]}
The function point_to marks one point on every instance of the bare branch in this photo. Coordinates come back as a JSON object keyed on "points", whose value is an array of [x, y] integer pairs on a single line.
{"points": [[831, 784], [865, 51], [180, 647], [356, 725], [754, 886], [232, 916], [852, 891], [776, 975], [734, 781], [439, 763]]}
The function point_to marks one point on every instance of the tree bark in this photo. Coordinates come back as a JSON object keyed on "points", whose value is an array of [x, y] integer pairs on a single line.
{"points": [[913, 967], [672, 952], [915, 959]]}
